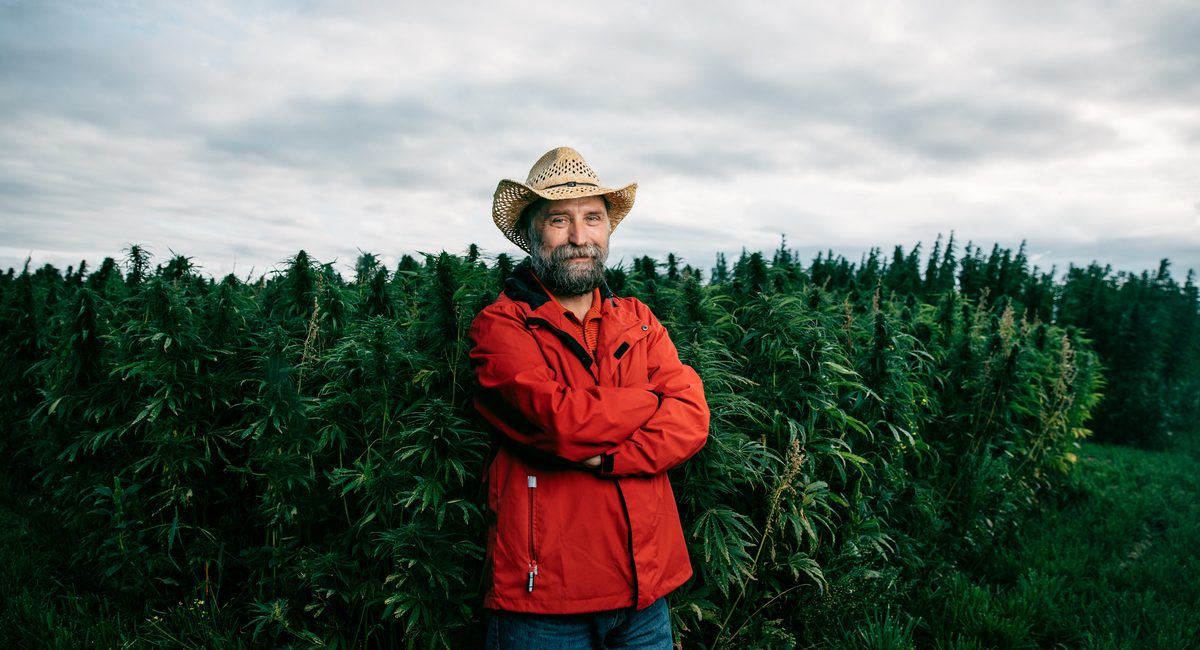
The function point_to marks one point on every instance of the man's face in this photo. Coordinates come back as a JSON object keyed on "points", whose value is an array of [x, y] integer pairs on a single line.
{"points": [[569, 244]]}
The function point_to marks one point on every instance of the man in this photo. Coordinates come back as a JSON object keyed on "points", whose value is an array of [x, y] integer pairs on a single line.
{"points": [[592, 407]]}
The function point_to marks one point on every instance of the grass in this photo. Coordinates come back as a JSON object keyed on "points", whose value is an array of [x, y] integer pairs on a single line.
{"points": [[1109, 562]]}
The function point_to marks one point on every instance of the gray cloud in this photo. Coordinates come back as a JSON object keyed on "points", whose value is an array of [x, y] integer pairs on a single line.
{"points": [[234, 133], [1167, 55]]}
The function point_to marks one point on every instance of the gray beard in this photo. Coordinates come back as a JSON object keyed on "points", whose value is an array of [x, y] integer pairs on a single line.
{"points": [[567, 279]]}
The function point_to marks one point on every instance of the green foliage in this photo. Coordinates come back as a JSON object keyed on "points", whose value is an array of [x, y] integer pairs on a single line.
{"points": [[295, 462], [1106, 563], [1143, 327]]}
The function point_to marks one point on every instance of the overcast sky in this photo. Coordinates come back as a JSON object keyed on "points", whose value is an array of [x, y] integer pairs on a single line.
{"points": [[238, 133]]}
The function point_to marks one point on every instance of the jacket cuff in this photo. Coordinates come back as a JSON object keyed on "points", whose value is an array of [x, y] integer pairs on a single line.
{"points": [[606, 464]]}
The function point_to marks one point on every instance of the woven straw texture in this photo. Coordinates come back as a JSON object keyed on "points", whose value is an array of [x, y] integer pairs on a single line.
{"points": [[560, 174]]}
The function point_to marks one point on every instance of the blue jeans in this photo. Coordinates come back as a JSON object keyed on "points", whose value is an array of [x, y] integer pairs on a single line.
{"points": [[648, 629]]}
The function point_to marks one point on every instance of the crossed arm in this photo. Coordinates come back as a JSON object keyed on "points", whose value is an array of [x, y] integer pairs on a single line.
{"points": [[634, 430]]}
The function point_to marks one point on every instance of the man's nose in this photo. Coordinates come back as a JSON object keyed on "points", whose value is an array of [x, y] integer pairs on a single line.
{"points": [[577, 234]]}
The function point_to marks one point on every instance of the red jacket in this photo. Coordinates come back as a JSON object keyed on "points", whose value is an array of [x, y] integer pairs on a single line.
{"points": [[566, 539]]}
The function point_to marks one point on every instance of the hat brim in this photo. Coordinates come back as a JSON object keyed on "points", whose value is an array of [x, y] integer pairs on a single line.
{"points": [[512, 197]]}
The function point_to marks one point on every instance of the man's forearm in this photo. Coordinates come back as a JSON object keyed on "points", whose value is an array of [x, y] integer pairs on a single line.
{"points": [[676, 432], [573, 425]]}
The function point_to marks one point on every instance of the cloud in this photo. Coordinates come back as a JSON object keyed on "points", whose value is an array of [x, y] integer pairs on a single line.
{"points": [[240, 132]]}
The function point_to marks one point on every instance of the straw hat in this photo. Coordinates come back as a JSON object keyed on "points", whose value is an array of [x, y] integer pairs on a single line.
{"points": [[560, 174]]}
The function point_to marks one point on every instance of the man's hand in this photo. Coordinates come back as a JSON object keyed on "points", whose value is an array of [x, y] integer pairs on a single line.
{"points": [[591, 463]]}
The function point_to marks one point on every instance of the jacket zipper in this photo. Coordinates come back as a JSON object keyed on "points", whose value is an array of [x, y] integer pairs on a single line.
{"points": [[628, 540], [531, 481]]}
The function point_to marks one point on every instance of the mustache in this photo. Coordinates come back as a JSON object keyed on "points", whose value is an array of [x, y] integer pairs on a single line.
{"points": [[568, 251]]}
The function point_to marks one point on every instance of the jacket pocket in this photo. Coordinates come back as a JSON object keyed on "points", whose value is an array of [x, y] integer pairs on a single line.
{"points": [[630, 338], [628, 358]]}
